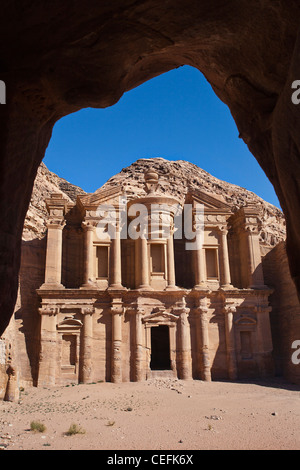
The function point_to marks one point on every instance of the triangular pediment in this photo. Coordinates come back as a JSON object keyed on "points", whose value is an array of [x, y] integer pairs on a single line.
{"points": [[209, 201], [109, 196]]}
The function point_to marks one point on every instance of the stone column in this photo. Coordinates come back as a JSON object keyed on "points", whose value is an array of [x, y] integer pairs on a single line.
{"points": [[117, 311], [56, 206], [86, 346], [256, 277], [229, 310], [171, 262], [89, 262], [115, 272], [185, 342], [142, 263], [54, 256], [203, 340], [48, 347], [199, 263], [226, 278], [139, 359]]}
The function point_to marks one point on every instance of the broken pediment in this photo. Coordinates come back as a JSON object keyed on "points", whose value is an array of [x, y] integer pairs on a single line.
{"points": [[112, 196], [210, 202]]}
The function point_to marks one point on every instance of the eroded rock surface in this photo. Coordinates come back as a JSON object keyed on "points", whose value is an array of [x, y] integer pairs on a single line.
{"points": [[46, 182]]}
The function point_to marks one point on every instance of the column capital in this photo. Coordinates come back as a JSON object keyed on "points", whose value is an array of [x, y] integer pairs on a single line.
{"points": [[227, 309], [117, 307], [87, 310], [181, 308], [224, 230], [135, 310], [48, 310], [202, 308], [117, 310], [89, 225], [251, 229], [56, 223]]}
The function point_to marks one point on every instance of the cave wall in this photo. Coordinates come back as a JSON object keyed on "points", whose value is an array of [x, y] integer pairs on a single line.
{"points": [[285, 314]]}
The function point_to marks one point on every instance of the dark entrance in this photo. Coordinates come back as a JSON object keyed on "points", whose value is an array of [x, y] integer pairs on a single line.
{"points": [[160, 348]]}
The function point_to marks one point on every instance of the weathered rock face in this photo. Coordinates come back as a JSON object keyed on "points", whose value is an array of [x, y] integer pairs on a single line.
{"points": [[45, 183], [285, 314], [58, 57]]}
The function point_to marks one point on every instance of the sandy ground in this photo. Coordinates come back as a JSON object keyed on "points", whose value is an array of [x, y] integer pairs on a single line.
{"points": [[157, 415]]}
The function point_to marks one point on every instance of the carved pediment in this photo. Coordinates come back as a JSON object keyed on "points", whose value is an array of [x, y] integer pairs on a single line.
{"points": [[69, 324], [245, 320], [101, 197], [210, 202], [160, 318]]}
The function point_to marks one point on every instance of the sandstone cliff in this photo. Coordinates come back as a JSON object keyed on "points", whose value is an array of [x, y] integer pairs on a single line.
{"points": [[45, 183]]}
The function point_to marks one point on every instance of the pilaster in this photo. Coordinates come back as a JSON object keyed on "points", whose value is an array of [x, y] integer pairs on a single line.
{"points": [[56, 206], [202, 336], [89, 262], [185, 358], [117, 311], [86, 345], [229, 311], [226, 277], [48, 346]]}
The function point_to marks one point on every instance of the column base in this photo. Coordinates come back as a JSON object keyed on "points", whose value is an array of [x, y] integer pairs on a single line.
{"points": [[201, 286], [116, 287], [50, 286], [227, 287], [144, 287], [89, 285], [172, 288]]}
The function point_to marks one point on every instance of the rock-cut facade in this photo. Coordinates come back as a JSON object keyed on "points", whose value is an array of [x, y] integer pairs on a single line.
{"points": [[142, 285]]}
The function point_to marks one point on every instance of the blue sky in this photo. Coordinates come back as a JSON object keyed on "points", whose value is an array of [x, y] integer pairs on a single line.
{"points": [[176, 116]]}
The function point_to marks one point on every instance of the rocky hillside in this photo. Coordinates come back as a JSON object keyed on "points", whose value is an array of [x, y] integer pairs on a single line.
{"points": [[45, 183], [176, 177]]}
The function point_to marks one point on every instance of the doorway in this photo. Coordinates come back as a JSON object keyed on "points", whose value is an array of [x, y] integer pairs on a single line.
{"points": [[160, 348]]}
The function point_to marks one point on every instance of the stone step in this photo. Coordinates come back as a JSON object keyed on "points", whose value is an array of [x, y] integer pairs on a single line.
{"points": [[162, 374]]}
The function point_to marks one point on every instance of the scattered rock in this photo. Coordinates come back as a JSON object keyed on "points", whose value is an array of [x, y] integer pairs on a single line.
{"points": [[215, 417]]}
